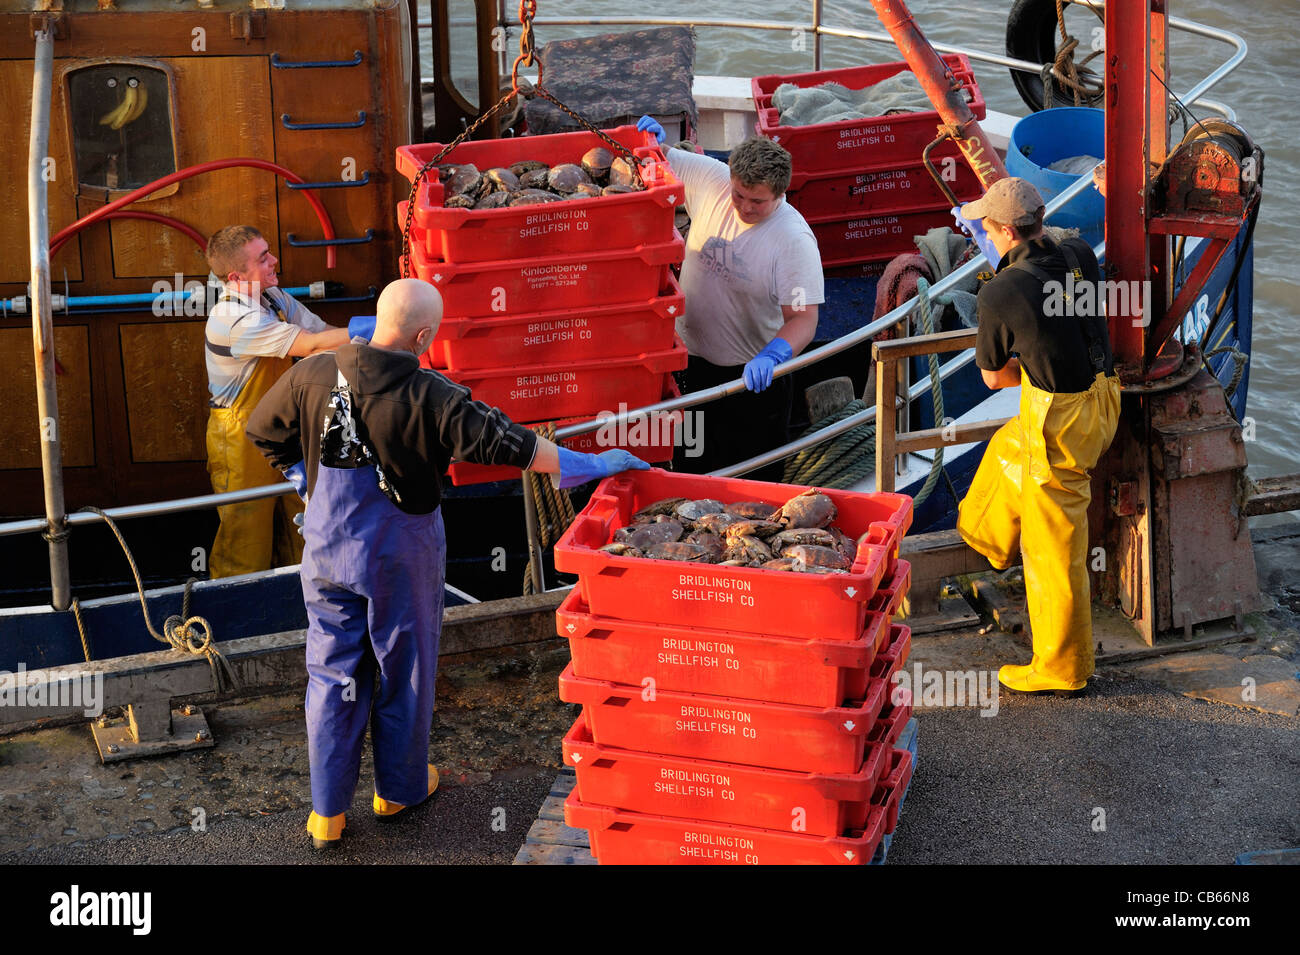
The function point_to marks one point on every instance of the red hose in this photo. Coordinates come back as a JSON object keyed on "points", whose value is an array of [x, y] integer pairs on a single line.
{"points": [[190, 171], [176, 224]]}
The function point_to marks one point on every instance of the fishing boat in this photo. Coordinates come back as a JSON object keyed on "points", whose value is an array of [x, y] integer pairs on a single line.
{"points": [[152, 126]]}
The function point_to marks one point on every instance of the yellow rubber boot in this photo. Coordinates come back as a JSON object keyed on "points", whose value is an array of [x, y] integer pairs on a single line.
{"points": [[326, 831], [385, 810]]}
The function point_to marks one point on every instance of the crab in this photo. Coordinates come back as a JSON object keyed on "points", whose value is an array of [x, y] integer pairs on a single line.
{"points": [[528, 197], [658, 532], [779, 563], [812, 508], [534, 178], [715, 523], [596, 161], [619, 549], [493, 200], [526, 166], [464, 180], [618, 190], [802, 535], [459, 202], [620, 173], [502, 180], [710, 542], [667, 506], [759, 529], [814, 559], [749, 549], [585, 190], [566, 177], [678, 550], [752, 510], [690, 511]]}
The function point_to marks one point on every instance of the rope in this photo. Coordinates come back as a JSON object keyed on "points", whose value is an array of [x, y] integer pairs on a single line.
{"points": [[848, 458], [1066, 72], [518, 87], [179, 632], [1239, 359], [554, 506], [936, 385]]}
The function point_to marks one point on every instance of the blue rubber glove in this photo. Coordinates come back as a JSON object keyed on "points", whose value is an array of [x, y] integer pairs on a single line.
{"points": [[975, 229], [758, 373], [296, 474], [648, 124], [578, 468], [361, 326]]}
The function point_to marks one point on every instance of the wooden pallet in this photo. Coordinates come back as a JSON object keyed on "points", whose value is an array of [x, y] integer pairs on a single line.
{"points": [[551, 842]]}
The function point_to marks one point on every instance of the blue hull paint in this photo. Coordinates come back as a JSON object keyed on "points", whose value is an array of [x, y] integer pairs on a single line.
{"points": [[236, 607]]}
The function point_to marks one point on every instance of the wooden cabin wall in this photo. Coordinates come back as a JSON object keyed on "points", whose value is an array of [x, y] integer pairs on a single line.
{"points": [[133, 386]]}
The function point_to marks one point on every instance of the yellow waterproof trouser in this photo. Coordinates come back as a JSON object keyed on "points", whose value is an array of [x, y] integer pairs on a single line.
{"points": [[1030, 497], [254, 533]]}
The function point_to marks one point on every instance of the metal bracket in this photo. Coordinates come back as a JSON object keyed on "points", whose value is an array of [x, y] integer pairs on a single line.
{"points": [[54, 23], [248, 25], [151, 728]]}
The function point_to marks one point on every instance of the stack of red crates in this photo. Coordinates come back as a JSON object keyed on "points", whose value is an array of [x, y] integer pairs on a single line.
{"points": [[555, 311], [734, 714], [860, 183]]}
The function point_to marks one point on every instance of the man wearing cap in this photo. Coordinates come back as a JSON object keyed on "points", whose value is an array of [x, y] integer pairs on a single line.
{"points": [[1030, 495]]}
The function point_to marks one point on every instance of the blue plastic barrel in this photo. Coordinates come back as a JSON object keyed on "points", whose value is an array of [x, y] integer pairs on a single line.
{"points": [[1042, 138]]}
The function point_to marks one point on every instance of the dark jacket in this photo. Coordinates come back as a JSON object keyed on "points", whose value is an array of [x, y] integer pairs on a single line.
{"points": [[416, 420]]}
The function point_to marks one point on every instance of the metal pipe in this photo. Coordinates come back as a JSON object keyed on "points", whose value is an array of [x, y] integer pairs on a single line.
{"points": [[942, 89], [47, 398], [155, 508], [817, 34]]}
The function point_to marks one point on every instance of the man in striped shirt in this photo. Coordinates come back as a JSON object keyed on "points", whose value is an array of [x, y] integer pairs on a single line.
{"points": [[253, 333]]}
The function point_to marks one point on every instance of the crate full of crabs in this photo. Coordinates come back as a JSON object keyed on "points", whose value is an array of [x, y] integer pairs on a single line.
{"points": [[686, 550]]}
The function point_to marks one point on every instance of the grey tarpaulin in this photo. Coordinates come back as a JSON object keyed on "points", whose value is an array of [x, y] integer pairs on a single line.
{"points": [[611, 80], [833, 103]]}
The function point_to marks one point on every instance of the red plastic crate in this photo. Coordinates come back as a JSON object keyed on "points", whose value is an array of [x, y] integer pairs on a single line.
{"points": [[573, 225], [720, 662], [892, 590], [549, 282], [846, 240], [889, 793], [824, 805], [659, 442], [559, 335], [631, 838], [568, 389], [897, 647], [730, 730], [877, 141], [889, 726], [878, 189], [772, 602]]}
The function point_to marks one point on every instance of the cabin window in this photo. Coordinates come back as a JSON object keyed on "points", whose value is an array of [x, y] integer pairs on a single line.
{"points": [[122, 125]]}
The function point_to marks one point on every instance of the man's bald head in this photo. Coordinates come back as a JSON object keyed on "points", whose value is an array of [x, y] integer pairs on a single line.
{"points": [[406, 309]]}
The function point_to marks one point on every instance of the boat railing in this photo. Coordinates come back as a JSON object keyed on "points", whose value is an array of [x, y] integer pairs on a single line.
{"points": [[819, 31], [808, 358]]}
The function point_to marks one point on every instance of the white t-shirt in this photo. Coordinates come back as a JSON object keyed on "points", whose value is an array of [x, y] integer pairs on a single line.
{"points": [[736, 276]]}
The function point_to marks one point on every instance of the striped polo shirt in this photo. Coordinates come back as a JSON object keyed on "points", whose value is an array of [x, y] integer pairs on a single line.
{"points": [[241, 330]]}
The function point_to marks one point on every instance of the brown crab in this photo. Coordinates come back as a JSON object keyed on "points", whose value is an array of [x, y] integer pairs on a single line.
{"points": [[665, 506], [752, 510], [812, 508], [749, 549], [678, 550], [814, 559]]}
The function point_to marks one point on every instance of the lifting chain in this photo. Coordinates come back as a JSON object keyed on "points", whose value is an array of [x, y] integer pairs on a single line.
{"points": [[527, 57]]}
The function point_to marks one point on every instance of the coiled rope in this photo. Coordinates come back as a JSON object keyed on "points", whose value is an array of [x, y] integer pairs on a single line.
{"points": [[1086, 86], [180, 631], [554, 506], [848, 458]]}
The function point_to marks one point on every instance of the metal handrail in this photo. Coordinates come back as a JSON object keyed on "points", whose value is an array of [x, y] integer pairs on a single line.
{"points": [[802, 361]]}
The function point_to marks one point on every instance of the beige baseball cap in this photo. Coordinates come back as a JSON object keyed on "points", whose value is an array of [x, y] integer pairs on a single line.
{"points": [[1011, 201]]}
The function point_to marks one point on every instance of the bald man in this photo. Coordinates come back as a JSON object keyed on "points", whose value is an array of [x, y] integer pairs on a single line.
{"points": [[366, 435]]}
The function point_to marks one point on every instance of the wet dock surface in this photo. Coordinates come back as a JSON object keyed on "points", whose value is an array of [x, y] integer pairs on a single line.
{"points": [[1168, 760]]}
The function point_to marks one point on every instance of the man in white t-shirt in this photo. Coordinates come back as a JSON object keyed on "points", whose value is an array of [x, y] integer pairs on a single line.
{"points": [[753, 281], [252, 334]]}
